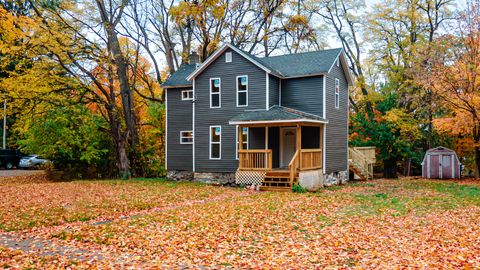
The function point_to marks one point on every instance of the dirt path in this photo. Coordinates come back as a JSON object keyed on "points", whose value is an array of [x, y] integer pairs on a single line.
{"points": [[8, 177], [19, 173]]}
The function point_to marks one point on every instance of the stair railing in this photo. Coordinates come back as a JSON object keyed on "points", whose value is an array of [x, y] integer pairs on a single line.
{"points": [[293, 166], [361, 162]]}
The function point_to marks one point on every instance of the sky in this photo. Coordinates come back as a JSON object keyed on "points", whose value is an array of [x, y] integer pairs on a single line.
{"points": [[333, 42]]}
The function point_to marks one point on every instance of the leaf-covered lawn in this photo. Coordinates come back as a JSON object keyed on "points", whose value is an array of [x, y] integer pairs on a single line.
{"points": [[382, 224], [26, 205]]}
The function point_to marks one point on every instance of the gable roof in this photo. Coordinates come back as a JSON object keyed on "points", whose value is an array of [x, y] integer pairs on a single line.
{"points": [[218, 52], [179, 77], [276, 113], [282, 66]]}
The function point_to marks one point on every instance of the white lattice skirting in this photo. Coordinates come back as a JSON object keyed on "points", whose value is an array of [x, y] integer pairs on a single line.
{"points": [[249, 177]]}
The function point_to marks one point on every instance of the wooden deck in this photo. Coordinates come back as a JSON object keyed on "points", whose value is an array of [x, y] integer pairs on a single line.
{"points": [[260, 161], [280, 179]]}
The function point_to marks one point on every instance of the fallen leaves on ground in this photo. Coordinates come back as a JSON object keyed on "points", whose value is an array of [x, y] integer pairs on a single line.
{"points": [[27, 205], [375, 224]]}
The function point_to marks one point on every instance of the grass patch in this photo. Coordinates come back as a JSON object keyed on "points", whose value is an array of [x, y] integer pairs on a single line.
{"points": [[378, 203], [460, 192]]}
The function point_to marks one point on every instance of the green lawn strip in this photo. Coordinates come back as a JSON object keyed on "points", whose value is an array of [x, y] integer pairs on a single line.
{"points": [[400, 197]]}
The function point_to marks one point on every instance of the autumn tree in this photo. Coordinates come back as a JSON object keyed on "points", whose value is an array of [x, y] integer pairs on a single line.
{"points": [[453, 74], [399, 31]]}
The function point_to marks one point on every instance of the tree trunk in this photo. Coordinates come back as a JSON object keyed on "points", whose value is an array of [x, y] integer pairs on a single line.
{"points": [[123, 164], [477, 162], [113, 45], [390, 168], [126, 92], [120, 142]]}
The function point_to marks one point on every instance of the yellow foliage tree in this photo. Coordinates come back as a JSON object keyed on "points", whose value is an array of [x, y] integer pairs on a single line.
{"points": [[453, 74]]}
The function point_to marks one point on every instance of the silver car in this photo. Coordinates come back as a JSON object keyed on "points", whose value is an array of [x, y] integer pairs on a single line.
{"points": [[32, 161]]}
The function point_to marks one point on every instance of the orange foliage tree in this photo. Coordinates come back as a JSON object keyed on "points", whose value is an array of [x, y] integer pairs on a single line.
{"points": [[452, 72]]}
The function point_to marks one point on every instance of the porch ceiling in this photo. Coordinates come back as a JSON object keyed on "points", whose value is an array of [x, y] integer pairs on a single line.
{"points": [[276, 115]]}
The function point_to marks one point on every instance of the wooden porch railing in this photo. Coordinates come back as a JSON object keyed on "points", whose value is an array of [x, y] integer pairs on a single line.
{"points": [[257, 160], [294, 166], [311, 159]]}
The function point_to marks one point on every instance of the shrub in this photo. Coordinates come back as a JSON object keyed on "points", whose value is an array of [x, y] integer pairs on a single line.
{"points": [[298, 189]]}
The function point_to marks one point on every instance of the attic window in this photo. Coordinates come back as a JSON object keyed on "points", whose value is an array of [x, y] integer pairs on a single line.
{"points": [[228, 57], [338, 62], [337, 93]]}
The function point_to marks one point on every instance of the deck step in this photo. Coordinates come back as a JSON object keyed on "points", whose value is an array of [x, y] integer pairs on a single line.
{"points": [[282, 179], [276, 182], [277, 174], [278, 189]]}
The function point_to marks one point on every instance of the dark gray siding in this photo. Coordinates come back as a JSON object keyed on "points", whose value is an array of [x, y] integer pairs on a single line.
{"points": [[337, 129], [179, 118], [205, 116], [304, 94], [274, 84]]}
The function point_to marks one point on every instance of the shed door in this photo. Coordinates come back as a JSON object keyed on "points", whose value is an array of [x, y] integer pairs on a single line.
{"points": [[434, 166], [446, 166]]}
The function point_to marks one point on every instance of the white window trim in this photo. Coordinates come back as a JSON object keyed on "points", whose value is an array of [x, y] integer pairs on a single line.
{"points": [[219, 93], [236, 140], [337, 93], [193, 126], [210, 143], [338, 62], [242, 91], [189, 90], [166, 129], [227, 58], [182, 137]]}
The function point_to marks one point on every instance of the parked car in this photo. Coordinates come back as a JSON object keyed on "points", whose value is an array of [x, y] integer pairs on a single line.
{"points": [[9, 158], [32, 161]]}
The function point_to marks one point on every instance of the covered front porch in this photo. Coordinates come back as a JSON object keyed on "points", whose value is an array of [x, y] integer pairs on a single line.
{"points": [[276, 145]]}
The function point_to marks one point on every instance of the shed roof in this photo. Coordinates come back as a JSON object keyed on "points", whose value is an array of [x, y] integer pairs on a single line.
{"points": [[276, 114], [440, 149], [179, 77]]}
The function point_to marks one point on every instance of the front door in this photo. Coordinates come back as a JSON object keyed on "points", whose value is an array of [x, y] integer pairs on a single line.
{"points": [[287, 146]]}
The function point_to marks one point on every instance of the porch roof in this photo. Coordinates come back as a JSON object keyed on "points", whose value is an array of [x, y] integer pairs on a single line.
{"points": [[276, 114]]}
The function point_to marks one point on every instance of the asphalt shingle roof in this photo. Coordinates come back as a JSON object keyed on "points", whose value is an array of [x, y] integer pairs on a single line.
{"points": [[301, 64], [179, 77], [288, 65], [274, 113]]}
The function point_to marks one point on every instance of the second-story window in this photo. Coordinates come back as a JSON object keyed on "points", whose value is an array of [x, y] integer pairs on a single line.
{"points": [[242, 91], [337, 93], [215, 93]]}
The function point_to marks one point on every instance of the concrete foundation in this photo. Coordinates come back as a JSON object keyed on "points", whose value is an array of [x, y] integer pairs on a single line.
{"points": [[311, 180]]}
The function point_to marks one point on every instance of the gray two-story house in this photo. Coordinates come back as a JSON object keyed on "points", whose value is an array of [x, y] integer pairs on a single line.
{"points": [[270, 121]]}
